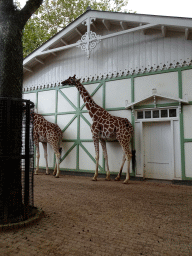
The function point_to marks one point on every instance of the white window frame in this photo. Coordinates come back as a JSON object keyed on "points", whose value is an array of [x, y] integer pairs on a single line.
{"points": [[156, 119]]}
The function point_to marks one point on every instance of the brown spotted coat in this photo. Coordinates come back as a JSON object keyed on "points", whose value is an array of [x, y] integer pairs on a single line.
{"points": [[47, 132], [105, 127]]}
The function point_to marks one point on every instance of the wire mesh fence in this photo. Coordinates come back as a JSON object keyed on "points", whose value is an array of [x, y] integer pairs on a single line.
{"points": [[27, 154], [16, 160]]}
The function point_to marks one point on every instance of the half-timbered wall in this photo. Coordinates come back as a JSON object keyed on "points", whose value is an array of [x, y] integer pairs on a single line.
{"points": [[65, 107]]}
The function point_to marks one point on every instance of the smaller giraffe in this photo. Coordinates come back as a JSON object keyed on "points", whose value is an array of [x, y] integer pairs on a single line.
{"points": [[47, 132]]}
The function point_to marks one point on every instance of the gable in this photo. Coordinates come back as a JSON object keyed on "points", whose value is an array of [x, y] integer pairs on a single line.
{"points": [[119, 44]]}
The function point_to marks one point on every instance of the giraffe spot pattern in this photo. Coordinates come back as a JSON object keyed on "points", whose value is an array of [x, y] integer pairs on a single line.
{"points": [[45, 131]]}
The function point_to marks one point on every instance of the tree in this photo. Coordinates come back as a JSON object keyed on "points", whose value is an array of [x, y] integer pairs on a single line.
{"points": [[54, 15], [12, 22]]}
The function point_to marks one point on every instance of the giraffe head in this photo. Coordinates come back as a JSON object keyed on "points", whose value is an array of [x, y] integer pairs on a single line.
{"points": [[71, 81]]}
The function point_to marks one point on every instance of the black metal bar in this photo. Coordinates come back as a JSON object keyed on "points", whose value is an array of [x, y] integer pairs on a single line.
{"points": [[27, 160], [6, 151], [32, 160]]}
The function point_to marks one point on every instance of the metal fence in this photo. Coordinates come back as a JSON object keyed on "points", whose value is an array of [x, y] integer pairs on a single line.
{"points": [[27, 154], [16, 160]]}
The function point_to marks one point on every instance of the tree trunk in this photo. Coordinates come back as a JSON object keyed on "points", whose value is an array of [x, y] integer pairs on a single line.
{"points": [[11, 55], [12, 22]]}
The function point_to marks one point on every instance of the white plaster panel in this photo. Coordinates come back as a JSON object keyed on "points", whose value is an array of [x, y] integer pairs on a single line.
{"points": [[87, 116], [187, 84], [30, 96], [50, 157], [122, 113], [70, 161], [117, 92], [63, 120], [71, 93], [115, 157], [46, 102], [98, 97], [188, 159], [85, 162], [63, 104], [85, 129], [187, 118], [71, 131], [166, 85]]}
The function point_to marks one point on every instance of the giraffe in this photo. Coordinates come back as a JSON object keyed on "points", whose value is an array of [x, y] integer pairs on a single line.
{"points": [[105, 127], [47, 132]]}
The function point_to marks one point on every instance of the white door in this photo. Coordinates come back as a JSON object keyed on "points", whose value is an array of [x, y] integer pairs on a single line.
{"points": [[158, 150]]}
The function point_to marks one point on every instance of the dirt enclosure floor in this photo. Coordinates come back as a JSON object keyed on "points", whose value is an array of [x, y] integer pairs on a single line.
{"points": [[109, 218]]}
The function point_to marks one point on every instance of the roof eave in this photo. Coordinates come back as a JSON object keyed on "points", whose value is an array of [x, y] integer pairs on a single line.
{"points": [[133, 104]]}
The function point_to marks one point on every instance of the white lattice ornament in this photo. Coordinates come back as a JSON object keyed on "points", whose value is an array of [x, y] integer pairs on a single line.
{"points": [[88, 42], [188, 61]]}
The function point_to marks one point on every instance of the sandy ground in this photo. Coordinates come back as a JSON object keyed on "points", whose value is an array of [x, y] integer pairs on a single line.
{"points": [[83, 217]]}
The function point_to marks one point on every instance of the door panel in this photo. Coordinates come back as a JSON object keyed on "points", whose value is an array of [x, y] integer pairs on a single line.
{"points": [[157, 150]]}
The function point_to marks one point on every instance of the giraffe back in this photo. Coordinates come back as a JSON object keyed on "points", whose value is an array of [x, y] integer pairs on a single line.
{"points": [[45, 131]]}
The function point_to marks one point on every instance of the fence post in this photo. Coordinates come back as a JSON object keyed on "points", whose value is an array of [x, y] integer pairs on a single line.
{"points": [[27, 162]]}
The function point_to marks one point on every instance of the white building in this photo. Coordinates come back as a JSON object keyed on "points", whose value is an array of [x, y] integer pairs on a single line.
{"points": [[135, 66]]}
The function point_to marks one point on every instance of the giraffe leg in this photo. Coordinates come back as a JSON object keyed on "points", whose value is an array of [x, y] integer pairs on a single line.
{"points": [[120, 172], [37, 157], [129, 156], [103, 144], [96, 144], [45, 155], [124, 142], [96, 169], [56, 170]]}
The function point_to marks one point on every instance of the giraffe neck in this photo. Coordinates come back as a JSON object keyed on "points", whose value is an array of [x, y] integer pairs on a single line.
{"points": [[90, 104]]}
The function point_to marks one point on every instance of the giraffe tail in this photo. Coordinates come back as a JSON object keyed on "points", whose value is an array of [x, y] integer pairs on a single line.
{"points": [[60, 151], [133, 159]]}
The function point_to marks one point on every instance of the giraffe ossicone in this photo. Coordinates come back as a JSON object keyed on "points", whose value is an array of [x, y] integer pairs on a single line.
{"points": [[105, 127], [47, 132]]}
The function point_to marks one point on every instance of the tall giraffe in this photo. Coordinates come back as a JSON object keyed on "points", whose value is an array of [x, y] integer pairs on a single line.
{"points": [[105, 127], [47, 132]]}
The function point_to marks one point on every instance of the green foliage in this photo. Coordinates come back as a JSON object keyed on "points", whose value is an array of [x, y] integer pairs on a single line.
{"points": [[54, 15]]}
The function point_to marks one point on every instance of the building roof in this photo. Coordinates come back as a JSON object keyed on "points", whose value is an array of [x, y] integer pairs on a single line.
{"points": [[91, 20]]}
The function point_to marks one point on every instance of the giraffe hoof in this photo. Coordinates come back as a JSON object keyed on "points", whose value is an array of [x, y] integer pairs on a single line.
{"points": [[107, 179], [47, 173], [117, 179], [125, 181], [56, 176], [94, 179]]}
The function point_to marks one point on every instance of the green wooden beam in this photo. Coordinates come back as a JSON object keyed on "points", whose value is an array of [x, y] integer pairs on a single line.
{"points": [[67, 99], [92, 158]]}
